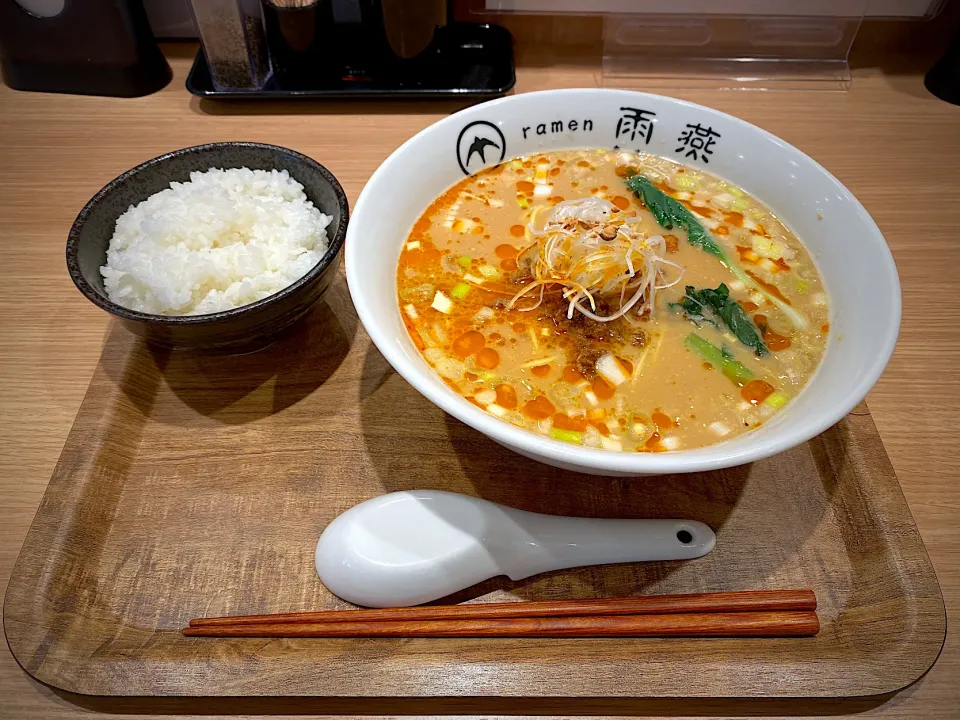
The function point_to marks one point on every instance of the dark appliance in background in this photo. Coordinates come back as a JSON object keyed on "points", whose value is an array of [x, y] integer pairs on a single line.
{"points": [[943, 79], [85, 47], [357, 48]]}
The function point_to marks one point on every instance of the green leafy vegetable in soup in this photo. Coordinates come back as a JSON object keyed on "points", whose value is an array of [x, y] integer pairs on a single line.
{"points": [[612, 300], [701, 305], [670, 213]]}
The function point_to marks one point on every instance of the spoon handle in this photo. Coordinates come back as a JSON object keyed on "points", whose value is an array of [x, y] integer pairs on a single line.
{"points": [[549, 542]]}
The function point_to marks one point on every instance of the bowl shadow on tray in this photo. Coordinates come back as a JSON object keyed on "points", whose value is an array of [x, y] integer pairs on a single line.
{"points": [[453, 456], [239, 388]]}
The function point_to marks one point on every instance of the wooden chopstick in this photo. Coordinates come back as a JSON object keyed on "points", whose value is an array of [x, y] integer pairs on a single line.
{"points": [[723, 602], [736, 624]]}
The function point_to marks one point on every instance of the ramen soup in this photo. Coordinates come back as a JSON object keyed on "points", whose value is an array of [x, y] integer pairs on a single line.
{"points": [[613, 300]]}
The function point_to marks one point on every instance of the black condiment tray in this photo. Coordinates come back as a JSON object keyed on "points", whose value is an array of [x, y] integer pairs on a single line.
{"points": [[465, 60]]}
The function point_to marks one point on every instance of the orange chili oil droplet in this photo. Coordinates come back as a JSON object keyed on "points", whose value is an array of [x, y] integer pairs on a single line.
{"points": [[488, 358], [555, 171], [540, 370], [722, 230], [452, 384], [747, 254], [756, 391], [662, 420], [583, 163], [601, 388], [773, 340], [421, 225], [749, 306], [621, 202], [626, 365], [672, 243], [420, 258], [539, 408], [702, 210], [601, 427], [508, 265], [653, 444], [524, 186], [825, 328], [468, 343], [517, 231], [565, 422], [506, 396], [769, 287], [571, 374], [734, 218], [505, 251]]}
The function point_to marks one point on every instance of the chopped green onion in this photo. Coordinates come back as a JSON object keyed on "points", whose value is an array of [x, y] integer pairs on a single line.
{"points": [[464, 260], [484, 314], [736, 371], [441, 303], [803, 286], [739, 204], [488, 271], [460, 290], [569, 436], [684, 182], [765, 247], [776, 400], [523, 202]]}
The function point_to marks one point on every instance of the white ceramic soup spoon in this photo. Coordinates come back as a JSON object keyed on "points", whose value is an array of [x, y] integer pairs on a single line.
{"points": [[411, 547]]}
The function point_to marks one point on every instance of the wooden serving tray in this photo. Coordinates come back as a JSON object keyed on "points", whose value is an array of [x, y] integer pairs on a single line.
{"points": [[198, 485]]}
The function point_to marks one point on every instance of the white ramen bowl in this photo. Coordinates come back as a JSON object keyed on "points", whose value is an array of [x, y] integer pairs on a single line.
{"points": [[849, 250]]}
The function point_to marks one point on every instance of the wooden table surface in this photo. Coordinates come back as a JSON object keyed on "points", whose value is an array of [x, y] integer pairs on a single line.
{"points": [[895, 146]]}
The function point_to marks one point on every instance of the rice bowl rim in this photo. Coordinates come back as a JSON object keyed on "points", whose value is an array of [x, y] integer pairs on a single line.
{"points": [[334, 242]]}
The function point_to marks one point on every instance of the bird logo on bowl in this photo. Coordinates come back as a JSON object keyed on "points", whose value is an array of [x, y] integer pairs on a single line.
{"points": [[479, 143]]}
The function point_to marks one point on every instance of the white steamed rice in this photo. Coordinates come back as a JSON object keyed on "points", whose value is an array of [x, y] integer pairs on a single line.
{"points": [[226, 238]]}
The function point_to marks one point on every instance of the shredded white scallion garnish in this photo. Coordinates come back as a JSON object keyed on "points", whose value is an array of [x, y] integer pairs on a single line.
{"points": [[592, 250]]}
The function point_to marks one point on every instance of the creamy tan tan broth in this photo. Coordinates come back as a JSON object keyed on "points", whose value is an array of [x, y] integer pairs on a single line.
{"points": [[507, 287]]}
